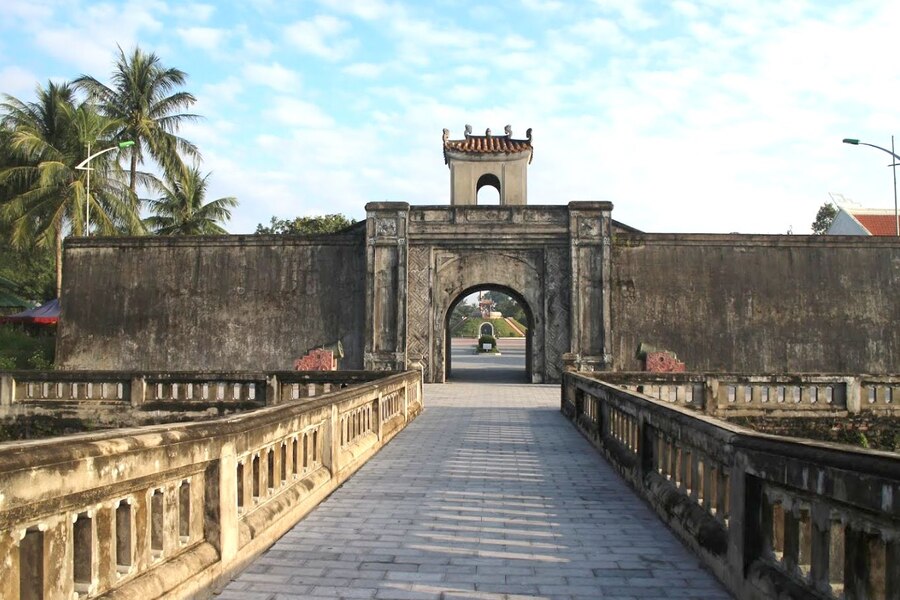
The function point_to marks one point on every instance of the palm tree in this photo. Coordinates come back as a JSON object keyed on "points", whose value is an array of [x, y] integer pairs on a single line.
{"points": [[142, 99], [179, 209], [46, 194]]}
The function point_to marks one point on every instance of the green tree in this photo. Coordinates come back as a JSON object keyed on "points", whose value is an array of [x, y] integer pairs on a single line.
{"points": [[824, 218], [45, 195], [180, 207], [306, 225], [142, 99]]}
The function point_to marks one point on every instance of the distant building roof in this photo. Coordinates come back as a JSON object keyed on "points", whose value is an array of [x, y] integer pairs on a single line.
{"points": [[488, 143], [852, 220]]}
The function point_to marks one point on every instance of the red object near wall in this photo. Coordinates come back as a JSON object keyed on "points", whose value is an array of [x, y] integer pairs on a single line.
{"points": [[316, 360], [662, 362]]}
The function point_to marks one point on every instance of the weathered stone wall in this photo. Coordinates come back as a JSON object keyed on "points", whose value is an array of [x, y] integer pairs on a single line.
{"points": [[758, 303], [211, 303]]}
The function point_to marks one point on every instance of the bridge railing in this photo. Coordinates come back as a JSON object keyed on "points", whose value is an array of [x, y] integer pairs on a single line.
{"points": [[175, 509], [769, 515], [728, 395], [123, 390]]}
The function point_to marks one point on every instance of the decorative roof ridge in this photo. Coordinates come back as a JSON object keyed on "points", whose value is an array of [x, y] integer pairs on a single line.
{"points": [[488, 143]]}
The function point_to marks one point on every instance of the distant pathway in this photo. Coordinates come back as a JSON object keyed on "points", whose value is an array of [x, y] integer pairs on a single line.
{"points": [[490, 494]]}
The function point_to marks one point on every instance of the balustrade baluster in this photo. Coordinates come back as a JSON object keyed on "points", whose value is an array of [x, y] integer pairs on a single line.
{"points": [[696, 482], [106, 557], [820, 546], [722, 496]]}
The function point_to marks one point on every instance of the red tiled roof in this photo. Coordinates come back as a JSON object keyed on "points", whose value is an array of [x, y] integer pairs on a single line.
{"points": [[877, 224], [487, 144]]}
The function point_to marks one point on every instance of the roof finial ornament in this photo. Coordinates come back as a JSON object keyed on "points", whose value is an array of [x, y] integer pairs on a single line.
{"points": [[528, 134], [487, 132], [468, 130], [508, 130], [446, 135]]}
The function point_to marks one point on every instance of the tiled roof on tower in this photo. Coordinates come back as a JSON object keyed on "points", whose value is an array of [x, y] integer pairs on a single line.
{"points": [[488, 143]]}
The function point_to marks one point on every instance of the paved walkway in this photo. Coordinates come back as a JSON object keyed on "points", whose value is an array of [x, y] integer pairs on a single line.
{"points": [[490, 494]]}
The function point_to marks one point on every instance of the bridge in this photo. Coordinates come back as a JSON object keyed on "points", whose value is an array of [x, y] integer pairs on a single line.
{"points": [[340, 485], [489, 494]]}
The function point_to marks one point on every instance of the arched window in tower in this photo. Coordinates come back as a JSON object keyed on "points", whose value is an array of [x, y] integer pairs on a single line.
{"points": [[487, 190]]}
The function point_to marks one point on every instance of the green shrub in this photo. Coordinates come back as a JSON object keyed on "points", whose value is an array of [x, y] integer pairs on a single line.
{"points": [[487, 339], [20, 350]]}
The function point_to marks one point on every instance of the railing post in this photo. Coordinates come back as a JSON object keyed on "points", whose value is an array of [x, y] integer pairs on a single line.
{"points": [[138, 391], [379, 422], [58, 559], [7, 389], [740, 515], [405, 403], [856, 565], [9, 564], [221, 519], [334, 441], [820, 548], [711, 395], [854, 393], [273, 390]]}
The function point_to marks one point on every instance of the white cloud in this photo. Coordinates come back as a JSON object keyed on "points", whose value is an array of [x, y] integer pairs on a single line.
{"points": [[365, 70], [293, 112], [320, 36], [629, 12], [368, 10], [195, 12], [273, 75], [543, 5], [207, 38], [17, 81]]}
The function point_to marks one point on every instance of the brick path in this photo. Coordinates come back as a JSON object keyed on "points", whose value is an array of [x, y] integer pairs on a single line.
{"points": [[490, 494]]}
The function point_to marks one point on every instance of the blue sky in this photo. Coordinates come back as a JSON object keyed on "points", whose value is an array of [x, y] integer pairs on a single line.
{"points": [[701, 115]]}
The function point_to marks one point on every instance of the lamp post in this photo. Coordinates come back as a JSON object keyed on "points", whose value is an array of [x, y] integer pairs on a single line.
{"points": [[893, 166], [83, 166]]}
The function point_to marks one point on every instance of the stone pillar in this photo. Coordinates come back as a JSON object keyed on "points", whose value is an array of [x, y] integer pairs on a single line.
{"points": [[220, 513], [138, 391], [590, 230], [386, 285], [7, 389]]}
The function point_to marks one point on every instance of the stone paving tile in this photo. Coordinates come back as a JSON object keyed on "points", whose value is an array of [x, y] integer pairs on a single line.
{"points": [[490, 494]]}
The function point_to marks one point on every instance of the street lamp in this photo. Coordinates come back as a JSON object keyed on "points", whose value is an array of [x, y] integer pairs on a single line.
{"points": [[893, 166], [83, 167]]}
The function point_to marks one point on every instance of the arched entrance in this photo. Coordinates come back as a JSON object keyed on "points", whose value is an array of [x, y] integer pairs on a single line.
{"points": [[501, 373]]}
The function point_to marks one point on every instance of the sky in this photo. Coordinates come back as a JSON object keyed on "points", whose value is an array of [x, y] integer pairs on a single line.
{"points": [[688, 115]]}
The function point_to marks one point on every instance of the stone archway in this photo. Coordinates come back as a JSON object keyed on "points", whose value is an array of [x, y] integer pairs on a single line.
{"points": [[463, 271], [420, 260], [520, 300]]}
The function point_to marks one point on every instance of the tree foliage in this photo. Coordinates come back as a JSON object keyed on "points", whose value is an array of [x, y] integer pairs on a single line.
{"points": [[43, 197], [180, 208], [46, 196], [306, 225], [824, 218], [143, 100]]}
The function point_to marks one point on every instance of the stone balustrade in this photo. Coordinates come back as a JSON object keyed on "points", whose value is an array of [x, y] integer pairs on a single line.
{"points": [[95, 392], [771, 516], [730, 395], [176, 509]]}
